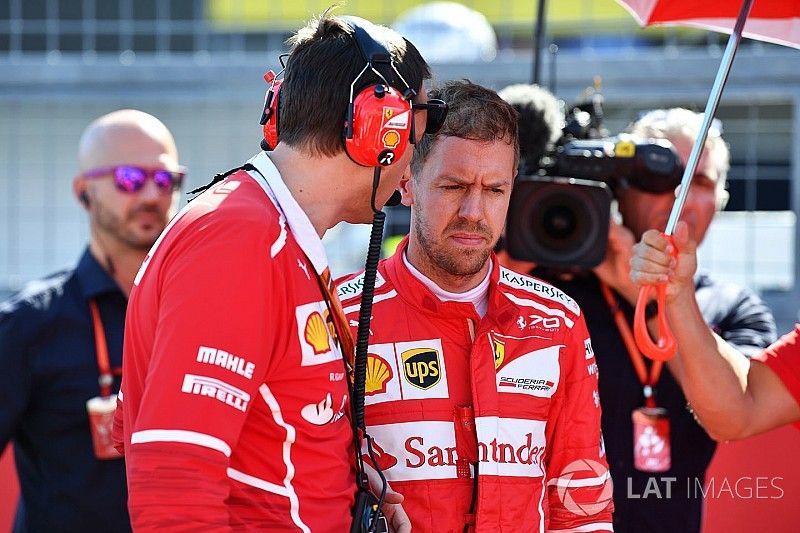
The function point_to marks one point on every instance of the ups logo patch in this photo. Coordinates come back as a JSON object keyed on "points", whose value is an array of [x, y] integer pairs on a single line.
{"points": [[421, 367]]}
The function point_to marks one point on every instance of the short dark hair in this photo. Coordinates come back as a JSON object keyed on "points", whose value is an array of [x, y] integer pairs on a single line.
{"points": [[323, 62], [475, 113]]}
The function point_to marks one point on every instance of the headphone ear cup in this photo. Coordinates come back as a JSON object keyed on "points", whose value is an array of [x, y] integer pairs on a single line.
{"points": [[381, 127], [84, 199], [269, 119]]}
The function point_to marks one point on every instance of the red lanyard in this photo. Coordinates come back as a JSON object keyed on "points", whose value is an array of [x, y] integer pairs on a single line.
{"points": [[648, 382], [106, 378]]}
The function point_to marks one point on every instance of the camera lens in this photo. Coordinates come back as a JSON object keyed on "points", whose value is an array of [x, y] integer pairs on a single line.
{"points": [[559, 222]]}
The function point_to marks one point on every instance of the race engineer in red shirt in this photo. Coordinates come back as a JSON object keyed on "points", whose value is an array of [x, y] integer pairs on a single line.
{"points": [[481, 390], [234, 408], [733, 397]]}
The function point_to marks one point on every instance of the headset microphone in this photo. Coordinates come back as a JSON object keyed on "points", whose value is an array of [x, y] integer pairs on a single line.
{"points": [[394, 199]]}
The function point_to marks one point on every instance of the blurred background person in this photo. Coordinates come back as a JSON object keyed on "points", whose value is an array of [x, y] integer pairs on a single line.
{"points": [[634, 389], [61, 336]]}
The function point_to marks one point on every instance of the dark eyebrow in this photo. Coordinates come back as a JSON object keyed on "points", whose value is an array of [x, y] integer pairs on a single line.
{"points": [[502, 182], [452, 179]]}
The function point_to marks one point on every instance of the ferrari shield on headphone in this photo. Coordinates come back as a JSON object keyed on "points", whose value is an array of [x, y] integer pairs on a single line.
{"points": [[379, 124]]}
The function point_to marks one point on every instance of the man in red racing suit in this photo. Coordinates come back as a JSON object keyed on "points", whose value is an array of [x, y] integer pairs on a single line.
{"points": [[233, 411], [481, 388]]}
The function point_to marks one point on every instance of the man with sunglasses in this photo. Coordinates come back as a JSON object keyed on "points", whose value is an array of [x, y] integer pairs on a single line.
{"points": [[61, 337], [650, 435], [481, 422]]}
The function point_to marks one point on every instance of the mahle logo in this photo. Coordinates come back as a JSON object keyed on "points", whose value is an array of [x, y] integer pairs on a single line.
{"points": [[421, 367], [585, 487]]}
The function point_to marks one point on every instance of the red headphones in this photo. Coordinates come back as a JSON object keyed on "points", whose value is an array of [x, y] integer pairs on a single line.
{"points": [[269, 118], [379, 124]]}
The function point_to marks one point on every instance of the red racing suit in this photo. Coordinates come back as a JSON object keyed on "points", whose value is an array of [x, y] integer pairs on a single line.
{"points": [[234, 409], [514, 393], [783, 358]]}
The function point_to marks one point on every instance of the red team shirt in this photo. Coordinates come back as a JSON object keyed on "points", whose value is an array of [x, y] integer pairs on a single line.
{"points": [[234, 410], [783, 357]]}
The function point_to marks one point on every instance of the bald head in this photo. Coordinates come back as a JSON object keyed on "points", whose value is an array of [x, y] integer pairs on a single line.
{"points": [[127, 137]]}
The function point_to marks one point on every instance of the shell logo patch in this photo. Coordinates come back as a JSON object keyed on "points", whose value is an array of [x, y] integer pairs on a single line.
{"points": [[316, 333], [391, 139], [379, 372]]}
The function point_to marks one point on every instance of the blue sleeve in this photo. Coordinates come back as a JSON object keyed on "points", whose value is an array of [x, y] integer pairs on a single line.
{"points": [[15, 374]]}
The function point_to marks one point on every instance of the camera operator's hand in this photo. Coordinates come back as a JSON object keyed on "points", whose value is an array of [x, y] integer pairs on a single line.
{"points": [[614, 271], [653, 263], [395, 514]]}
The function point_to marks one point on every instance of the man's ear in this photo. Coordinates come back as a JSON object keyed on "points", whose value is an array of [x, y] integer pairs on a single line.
{"points": [[80, 192], [406, 189]]}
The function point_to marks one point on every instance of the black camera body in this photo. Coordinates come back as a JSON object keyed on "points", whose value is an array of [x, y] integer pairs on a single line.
{"points": [[560, 217]]}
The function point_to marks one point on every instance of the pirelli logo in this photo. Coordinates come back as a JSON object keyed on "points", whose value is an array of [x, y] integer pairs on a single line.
{"points": [[215, 388]]}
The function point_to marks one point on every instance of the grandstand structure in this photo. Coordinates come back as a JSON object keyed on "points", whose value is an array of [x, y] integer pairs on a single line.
{"points": [[198, 65]]}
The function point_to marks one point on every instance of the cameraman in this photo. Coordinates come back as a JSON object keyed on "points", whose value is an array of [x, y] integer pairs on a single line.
{"points": [[627, 382]]}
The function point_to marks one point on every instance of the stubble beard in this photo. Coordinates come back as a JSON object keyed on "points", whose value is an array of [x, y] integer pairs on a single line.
{"points": [[460, 263], [113, 226]]}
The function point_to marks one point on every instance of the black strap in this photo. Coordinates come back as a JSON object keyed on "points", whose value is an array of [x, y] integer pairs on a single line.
{"points": [[371, 46], [219, 177]]}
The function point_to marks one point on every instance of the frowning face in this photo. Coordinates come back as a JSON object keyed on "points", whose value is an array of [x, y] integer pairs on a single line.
{"points": [[458, 205]]}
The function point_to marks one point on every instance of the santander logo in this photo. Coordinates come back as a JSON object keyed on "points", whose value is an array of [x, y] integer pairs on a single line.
{"points": [[488, 452], [427, 449], [384, 460]]}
